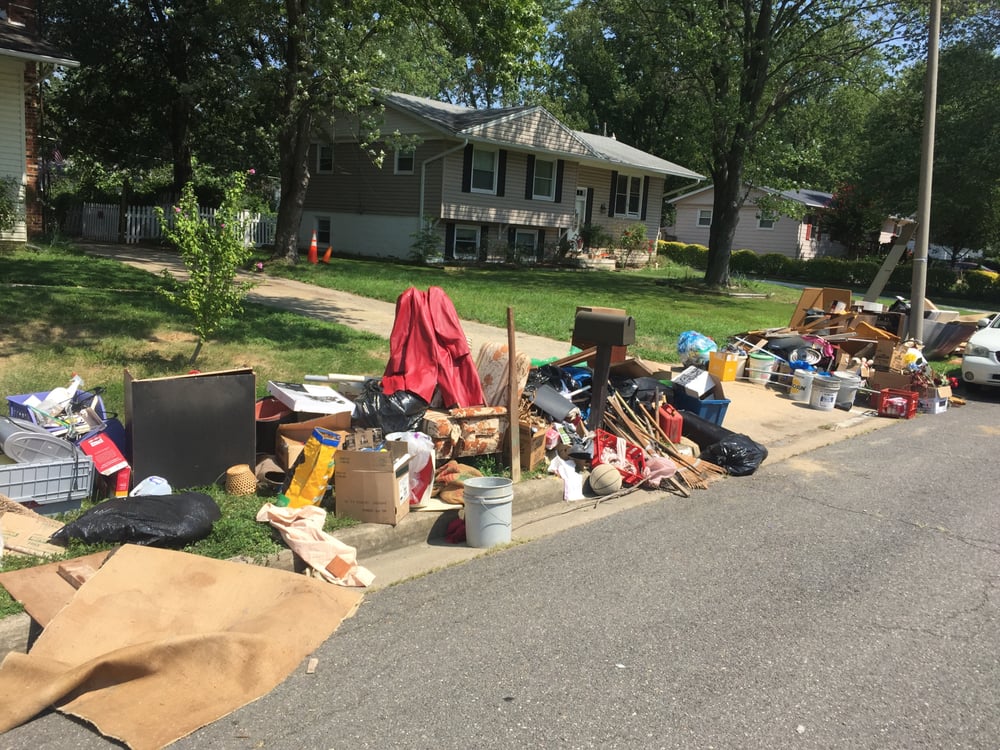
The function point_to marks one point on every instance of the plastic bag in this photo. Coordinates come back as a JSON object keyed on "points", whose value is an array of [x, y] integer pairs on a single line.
{"points": [[695, 348], [737, 454], [401, 412], [310, 478], [151, 520], [421, 450]]}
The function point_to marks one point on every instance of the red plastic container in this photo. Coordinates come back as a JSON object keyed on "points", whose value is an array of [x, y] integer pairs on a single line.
{"points": [[623, 455], [671, 422], [897, 403]]}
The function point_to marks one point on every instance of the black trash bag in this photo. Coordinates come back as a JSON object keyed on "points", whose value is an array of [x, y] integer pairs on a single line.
{"points": [[737, 454], [152, 520], [401, 411], [700, 430]]}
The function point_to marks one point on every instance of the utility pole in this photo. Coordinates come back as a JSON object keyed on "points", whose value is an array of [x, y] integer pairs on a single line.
{"points": [[919, 283]]}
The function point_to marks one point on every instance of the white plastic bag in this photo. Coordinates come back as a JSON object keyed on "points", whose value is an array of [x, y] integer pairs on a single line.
{"points": [[421, 450]]}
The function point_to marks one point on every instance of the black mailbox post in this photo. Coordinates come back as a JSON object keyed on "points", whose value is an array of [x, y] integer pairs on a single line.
{"points": [[605, 330]]}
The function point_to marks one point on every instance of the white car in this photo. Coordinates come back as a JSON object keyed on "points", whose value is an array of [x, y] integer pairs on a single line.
{"points": [[980, 363]]}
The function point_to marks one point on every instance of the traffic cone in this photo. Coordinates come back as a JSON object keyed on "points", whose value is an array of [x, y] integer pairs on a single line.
{"points": [[327, 254], [313, 250]]}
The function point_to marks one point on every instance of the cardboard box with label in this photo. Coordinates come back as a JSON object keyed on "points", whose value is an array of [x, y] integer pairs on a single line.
{"points": [[373, 486], [290, 438]]}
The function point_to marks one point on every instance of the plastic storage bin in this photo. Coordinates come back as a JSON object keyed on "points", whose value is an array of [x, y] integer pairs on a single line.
{"points": [[897, 403], [17, 409], [49, 487], [711, 409]]}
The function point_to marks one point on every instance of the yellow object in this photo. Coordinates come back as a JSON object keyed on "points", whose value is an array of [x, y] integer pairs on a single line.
{"points": [[723, 365], [314, 471]]}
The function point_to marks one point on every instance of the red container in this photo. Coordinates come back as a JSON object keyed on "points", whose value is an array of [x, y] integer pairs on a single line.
{"points": [[896, 403], [623, 455], [671, 422]]}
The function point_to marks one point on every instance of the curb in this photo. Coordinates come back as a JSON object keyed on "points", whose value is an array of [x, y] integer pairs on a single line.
{"points": [[369, 539]]}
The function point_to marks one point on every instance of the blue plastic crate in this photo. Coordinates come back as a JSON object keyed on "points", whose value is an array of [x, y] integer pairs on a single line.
{"points": [[710, 409], [18, 410]]}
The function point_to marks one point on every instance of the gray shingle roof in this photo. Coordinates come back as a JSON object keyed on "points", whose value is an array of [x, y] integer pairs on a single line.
{"points": [[16, 41], [457, 120]]}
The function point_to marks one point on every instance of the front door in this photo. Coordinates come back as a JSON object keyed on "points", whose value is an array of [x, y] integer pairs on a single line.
{"points": [[580, 212]]}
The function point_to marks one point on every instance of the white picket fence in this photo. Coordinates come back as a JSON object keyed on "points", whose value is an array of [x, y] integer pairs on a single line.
{"points": [[100, 222]]}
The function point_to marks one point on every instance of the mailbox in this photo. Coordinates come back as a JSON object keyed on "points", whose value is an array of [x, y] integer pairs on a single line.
{"points": [[604, 329]]}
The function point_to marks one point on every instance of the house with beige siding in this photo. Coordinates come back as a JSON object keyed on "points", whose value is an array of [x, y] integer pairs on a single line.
{"points": [[759, 230], [486, 181], [24, 58]]}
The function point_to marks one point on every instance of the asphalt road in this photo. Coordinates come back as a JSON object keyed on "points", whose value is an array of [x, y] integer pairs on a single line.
{"points": [[845, 598]]}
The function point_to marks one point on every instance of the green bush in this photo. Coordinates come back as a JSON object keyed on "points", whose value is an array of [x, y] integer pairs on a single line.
{"points": [[744, 262], [696, 256], [776, 265], [979, 285], [940, 280]]}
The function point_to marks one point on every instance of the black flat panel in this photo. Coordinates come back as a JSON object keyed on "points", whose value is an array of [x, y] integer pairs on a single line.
{"points": [[191, 428]]}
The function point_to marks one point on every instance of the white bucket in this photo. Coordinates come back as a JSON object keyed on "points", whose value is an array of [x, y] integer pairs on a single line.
{"points": [[824, 392], [488, 510], [849, 384], [759, 367], [801, 388]]}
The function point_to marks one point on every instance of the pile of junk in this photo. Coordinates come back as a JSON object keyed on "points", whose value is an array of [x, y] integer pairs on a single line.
{"points": [[372, 448], [840, 353]]}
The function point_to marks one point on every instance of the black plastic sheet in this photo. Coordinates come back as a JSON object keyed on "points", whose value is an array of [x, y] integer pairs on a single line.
{"points": [[152, 520]]}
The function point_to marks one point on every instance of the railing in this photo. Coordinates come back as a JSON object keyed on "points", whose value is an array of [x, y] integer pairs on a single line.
{"points": [[100, 222]]}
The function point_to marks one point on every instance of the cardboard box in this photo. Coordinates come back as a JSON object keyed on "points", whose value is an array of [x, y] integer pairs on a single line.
{"points": [[879, 379], [936, 392], [890, 355], [310, 398], [827, 300], [108, 459], [532, 445], [373, 486], [695, 381], [29, 534], [723, 366], [932, 405], [290, 438]]}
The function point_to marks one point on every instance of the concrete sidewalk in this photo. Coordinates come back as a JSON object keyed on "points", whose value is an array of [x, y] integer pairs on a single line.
{"points": [[417, 546]]}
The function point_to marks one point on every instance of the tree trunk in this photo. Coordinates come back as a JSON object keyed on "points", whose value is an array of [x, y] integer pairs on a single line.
{"points": [[725, 216], [294, 170]]}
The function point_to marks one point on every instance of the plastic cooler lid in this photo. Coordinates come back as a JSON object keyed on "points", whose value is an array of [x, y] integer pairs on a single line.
{"points": [[32, 447]]}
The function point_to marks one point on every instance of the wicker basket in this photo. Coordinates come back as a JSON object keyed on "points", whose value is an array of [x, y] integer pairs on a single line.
{"points": [[240, 480]]}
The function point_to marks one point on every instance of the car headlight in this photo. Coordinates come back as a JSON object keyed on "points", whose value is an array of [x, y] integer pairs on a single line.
{"points": [[972, 350]]}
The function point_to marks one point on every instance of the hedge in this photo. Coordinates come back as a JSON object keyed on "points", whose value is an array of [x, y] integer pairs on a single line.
{"points": [[941, 280]]}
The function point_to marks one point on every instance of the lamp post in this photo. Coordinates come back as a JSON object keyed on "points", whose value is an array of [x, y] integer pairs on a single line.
{"points": [[919, 282]]}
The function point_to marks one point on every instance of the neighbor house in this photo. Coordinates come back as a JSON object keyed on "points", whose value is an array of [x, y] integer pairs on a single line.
{"points": [[24, 59], [759, 230], [483, 180]]}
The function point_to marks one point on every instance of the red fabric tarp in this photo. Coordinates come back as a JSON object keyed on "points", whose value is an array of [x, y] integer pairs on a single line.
{"points": [[428, 350]]}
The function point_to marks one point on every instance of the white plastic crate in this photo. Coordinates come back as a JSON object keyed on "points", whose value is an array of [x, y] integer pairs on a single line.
{"points": [[49, 487]]}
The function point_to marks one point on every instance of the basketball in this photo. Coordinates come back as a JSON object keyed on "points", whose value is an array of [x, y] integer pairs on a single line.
{"points": [[605, 479]]}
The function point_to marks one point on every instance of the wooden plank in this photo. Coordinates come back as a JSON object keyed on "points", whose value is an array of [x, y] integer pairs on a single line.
{"points": [[513, 401], [75, 573], [41, 589]]}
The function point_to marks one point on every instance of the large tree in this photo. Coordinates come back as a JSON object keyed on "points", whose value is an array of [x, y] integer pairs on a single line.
{"points": [[964, 194], [736, 69], [158, 79]]}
